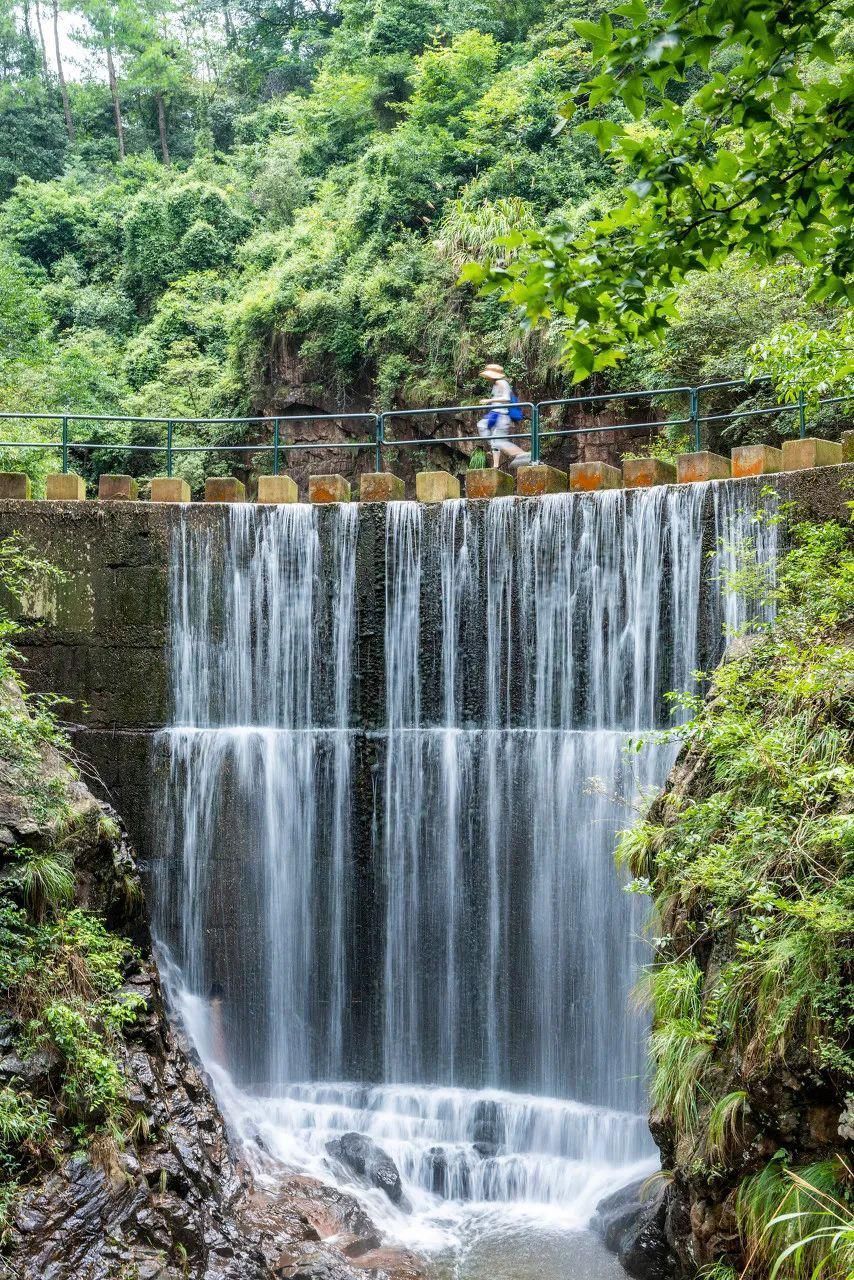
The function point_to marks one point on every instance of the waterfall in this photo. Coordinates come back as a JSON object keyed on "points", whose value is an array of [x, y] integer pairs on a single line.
{"points": [[393, 891]]}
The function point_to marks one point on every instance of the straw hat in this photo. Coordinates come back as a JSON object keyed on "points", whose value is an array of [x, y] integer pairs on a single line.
{"points": [[493, 371]]}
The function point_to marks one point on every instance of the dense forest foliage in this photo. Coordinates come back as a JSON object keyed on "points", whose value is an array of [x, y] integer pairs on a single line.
{"points": [[224, 194]]}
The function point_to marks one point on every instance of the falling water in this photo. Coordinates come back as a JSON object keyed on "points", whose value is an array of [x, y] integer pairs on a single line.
{"points": [[408, 922]]}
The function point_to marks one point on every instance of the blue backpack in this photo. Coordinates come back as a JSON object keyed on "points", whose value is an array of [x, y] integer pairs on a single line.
{"points": [[516, 414]]}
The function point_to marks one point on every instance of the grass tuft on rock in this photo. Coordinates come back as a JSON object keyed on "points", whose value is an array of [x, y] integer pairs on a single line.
{"points": [[748, 857]]}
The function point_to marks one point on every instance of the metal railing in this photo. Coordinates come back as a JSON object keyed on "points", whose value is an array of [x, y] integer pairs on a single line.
{"points": [[378, 425]]}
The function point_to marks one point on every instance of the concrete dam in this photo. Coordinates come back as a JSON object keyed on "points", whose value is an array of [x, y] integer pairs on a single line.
{"points": [[375, 758]]}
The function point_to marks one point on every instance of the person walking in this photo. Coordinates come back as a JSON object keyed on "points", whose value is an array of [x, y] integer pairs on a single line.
{"points": [[502, 418]]}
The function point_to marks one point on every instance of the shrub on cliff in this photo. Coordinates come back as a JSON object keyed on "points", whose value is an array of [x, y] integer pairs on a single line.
{"points": [[64, 1004], [749, 859]]}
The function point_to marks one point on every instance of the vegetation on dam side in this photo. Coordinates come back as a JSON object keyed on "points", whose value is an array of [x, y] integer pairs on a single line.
{"points": [[747, 856], [301, 184]]}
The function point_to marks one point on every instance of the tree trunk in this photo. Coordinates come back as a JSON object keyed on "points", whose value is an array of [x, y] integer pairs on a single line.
{"points": [[63, 87], [41, 36], [161, 124], [114, 93]]}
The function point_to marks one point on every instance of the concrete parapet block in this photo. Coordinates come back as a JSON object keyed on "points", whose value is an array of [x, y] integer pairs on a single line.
{"points": [[169, 489], [15, 484], [277, 489], [65, 486], [380, 486], [645, 473], [488, 482], [328, 489], [589, 477], [756, 460], [848, 446], [694, 468], [224, 489], [117, 489], [538, 479], [436, 486], [801, 455]]}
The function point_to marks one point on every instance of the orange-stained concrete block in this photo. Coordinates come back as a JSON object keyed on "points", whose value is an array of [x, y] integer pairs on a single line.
{"points": [[224, 489], [277, 489], [756, 460], [799, 455], [488, 482], [436, 486], [380, 486], [643, 473], [848, 446], [65, 487], [693, 468], [169, 489], [538, 479], [117, 489], [328, 489], [14, 484], [588, 477]]}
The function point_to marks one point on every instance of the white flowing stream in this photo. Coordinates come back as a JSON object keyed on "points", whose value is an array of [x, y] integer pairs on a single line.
{"points": [[388, 889]]}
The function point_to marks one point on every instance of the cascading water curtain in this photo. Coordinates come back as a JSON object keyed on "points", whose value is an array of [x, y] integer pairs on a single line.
{"points": [[260, 761], [422, 898]]}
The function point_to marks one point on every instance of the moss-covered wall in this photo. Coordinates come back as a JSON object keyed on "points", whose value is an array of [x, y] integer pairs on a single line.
{"points": [[98, 637]]}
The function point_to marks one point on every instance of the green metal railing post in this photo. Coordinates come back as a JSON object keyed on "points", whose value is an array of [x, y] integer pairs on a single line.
{"points": [[276, 429], [170, 426], [535, 433], [65, 446], [802, 414], [380, 436], [694, 415]]}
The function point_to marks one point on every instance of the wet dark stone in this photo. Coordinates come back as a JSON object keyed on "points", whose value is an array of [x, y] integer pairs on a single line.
{"points": [[369, 1161], [438, 1172], [632, 1224], [488, 1123]]}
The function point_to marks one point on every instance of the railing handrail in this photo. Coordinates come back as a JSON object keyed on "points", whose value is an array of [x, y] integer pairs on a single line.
{"points": [[380, 440]]}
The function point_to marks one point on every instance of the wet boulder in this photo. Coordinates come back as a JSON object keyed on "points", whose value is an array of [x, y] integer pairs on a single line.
{"points": [[487, 1123], [369, 1161], [632, 1224]]}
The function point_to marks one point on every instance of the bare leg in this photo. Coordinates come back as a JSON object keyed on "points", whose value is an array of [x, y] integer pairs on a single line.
{"points": [[496, 457]]}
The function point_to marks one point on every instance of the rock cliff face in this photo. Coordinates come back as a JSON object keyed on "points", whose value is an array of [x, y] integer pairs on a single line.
{"points": [[166, 1198]]}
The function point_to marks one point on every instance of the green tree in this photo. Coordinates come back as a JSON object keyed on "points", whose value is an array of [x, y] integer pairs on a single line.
{"points": [[746, 145], [114, 30]]}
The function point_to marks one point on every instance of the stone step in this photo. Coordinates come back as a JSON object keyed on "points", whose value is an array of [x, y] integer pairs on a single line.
{"points": [[332, 488], [589, 477], [277, 489], [436, 486], [65, 487], [488, 482], [118, 488], [380, 486], [643, 473], [169, 489], [224, 489]]}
